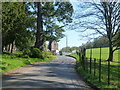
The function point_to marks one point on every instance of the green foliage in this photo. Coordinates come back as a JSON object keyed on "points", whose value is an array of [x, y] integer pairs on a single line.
{"points": [[8, 63], [26, 56], [52, 12], [27, 52], [104, 51], [36, 53], [15, 24], [90, 78], [116, 39], [101, 41], [69, 49], [54, 32], [19, 22], [66, 49], [74, 56], [47, 54]]}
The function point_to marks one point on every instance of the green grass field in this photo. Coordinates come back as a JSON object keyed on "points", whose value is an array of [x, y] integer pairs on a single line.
{"points": [[12, 61], [94, 80], [105, 53]]}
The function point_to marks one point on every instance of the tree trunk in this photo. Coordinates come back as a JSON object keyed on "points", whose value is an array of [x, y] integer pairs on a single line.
{"points": [[38, 27], [12, 45], [42, 44], [49, 46], [8, 48], [39, 35], [2, 50], [110, 58]]}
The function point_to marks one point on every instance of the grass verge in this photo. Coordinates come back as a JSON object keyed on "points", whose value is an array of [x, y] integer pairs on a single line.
{"points": [[13, 61], [94, 79]]}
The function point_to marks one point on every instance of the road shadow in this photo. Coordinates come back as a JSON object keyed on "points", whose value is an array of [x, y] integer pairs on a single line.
{"points": [[59, 69]]}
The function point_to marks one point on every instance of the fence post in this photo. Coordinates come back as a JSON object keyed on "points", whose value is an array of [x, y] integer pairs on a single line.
{"points": [[85, 57], [108, 72], [84, 50], [100, 66], [82, 57], [94, 66], [118, 68], [90, 60], [79, 55], [87, 64]]}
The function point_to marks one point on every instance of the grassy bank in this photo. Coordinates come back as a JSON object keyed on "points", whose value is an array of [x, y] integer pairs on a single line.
{"points": [[94, 80], [13, 61]]}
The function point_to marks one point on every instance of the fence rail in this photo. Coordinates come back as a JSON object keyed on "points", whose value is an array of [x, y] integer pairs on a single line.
{"points": [[95, 66]]}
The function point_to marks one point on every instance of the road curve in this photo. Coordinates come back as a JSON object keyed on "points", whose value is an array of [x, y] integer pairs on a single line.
{"points": [[58, 73]]}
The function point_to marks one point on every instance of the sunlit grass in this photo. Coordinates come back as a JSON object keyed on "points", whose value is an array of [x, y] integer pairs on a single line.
{"points": [[12, 61], [94, 79], [104, 53]]}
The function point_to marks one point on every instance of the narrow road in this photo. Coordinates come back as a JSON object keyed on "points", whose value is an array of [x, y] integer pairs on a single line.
{"points": [[58, 73]]}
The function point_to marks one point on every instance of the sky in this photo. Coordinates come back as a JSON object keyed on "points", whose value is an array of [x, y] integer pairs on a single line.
{"points": [[73, 37]]}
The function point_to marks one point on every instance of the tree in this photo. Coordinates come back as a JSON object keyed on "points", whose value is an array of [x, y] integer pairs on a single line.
{"points": [[55, 12], [66, 49], [103, 18], [15, 30], [54, 32], [39, 42], [100, 42]]}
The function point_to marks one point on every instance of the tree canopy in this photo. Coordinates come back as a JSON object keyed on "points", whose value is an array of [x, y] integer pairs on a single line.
{"points": [[48, 15], [23, 20]]}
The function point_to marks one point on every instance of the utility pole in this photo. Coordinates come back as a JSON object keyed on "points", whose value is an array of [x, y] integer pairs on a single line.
{"points": [[66, 42]]}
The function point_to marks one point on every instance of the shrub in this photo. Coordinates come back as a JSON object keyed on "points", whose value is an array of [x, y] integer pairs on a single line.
{"points": [[47, 54], [26, 62], [6, 53], [18, 54], [13, 56], [36, 53], [26, 56], [27, 52]]}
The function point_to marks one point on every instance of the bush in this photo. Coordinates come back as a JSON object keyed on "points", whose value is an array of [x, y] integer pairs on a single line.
{"points": [[26, 56], [36, 53], [13, 56], [26, 62], [27, 52], [47, 54]]}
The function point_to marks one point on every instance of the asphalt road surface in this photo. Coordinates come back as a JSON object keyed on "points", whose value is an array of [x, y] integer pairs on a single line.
{"points": [[58, 73]]}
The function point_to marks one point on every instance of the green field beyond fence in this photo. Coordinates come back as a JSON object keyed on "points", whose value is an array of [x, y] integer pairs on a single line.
{"points": [[99, 72], [104, 54]]}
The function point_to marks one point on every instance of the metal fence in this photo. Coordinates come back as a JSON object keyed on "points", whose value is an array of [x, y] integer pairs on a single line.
{"points": [[96, 67]]}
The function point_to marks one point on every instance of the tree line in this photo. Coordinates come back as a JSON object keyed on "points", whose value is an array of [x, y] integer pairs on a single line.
{"points": [[26, 24], [101, 41], [69, 49]]}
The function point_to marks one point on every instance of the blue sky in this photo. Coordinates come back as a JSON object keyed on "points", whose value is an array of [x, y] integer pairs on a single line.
{"points": [[74, 38]]}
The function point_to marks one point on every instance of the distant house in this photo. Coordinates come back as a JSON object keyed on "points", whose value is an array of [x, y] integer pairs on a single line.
{"points": [[52, 46]]}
